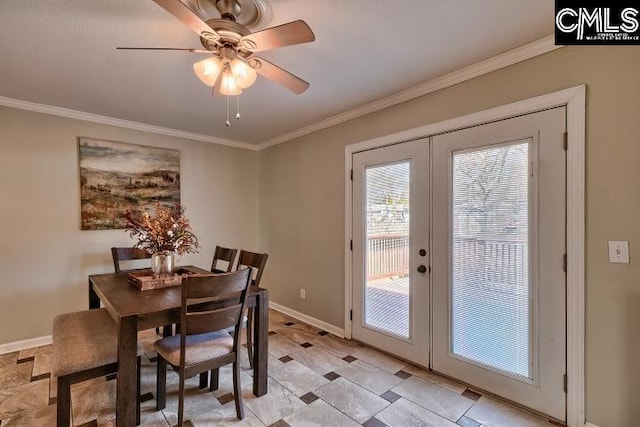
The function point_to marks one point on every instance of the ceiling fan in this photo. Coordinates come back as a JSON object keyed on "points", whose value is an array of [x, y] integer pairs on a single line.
{"points": [[233, 46]]}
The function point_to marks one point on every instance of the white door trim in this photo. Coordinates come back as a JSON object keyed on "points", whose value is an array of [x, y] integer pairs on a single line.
{"points": [[574, 99]]}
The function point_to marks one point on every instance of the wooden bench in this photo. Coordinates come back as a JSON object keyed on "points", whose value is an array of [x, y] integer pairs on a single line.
{"points": [[85, 346]]}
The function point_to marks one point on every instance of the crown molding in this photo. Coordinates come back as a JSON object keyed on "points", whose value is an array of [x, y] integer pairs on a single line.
{"points": [[513, 56], [112, 121], [519, 54]]}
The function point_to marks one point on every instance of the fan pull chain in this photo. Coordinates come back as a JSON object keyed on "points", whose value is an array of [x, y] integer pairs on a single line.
{"points": [[238, 107], [228, 123]]}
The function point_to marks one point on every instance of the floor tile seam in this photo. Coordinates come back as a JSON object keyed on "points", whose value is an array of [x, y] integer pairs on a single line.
{"points": [[246, 408], [422, 407], [27, 410], [293, 413], [383, 409], [293, 393], [331, 351], [368, 389], [254, 414], [357, 385], [33, 366], [309, 327], [470, 407], [342, 412], [509, 404], [307, 336], [465, 415], [40, 377], [381, 367], [304, 364], [165, 417], [368, 364], [431, 411], [439, 386]]}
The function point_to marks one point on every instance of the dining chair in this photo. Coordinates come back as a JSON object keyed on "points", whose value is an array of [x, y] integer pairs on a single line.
{"points": [[85, 346], [256, 262], [211, 303], [133, 254], [127, 254], [223, 254]]}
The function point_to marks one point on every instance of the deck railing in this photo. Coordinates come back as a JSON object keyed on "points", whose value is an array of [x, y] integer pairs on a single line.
{"points": [[501, 261], [491, 261], [387, 255]]}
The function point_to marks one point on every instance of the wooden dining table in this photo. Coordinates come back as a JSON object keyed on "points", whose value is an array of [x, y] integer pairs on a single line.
{"points": [[134, 310]]}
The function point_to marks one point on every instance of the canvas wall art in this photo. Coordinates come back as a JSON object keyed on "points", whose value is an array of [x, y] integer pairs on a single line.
{"points": [[116, 177]]}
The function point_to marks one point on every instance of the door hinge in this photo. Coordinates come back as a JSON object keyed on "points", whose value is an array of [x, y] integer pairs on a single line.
{"points": [[564, 262], [351, 174], [565, 382], [350, 314], [565, 143], [351, 244]]}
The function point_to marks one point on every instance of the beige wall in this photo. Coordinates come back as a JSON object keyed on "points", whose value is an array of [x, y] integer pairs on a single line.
{"points": [[45, 257], [300, 205], [301, 192]]}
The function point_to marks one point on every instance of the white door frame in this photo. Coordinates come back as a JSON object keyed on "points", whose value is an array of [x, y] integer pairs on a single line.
{"points": [[574, 99]]}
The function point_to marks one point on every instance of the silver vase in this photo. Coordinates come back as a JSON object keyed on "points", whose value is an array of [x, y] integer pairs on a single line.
{"points": [[162, 264]]}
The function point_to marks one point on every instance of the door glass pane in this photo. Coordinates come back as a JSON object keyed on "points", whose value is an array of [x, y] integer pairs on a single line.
{"points": [[386, 291], [490, 285]]}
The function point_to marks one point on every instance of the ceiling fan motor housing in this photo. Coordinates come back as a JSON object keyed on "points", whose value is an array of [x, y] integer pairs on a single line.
{"points": [[229, 9], [230, 34]]}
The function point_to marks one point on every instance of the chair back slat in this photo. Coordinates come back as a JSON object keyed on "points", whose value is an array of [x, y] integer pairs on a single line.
{"points": [[223, 254], [256, 261], [212, 302], [201, 322], [127, 254], [202, 285]]}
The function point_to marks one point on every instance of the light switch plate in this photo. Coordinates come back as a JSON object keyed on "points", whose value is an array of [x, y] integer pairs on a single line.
{"points": [[619, 251]]}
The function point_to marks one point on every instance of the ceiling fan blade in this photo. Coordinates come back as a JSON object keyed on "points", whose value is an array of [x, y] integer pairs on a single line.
{"points": [[295, 32], [169, 49], [273, 72], [188, 17]]}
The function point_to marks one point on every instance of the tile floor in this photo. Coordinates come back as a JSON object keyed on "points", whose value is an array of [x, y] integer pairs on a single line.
{"points": [[315, 379]]}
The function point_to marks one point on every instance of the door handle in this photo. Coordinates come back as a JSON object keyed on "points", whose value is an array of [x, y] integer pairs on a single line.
{"points": [[422, 269]]}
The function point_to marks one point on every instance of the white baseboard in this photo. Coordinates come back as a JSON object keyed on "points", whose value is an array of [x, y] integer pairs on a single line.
{"points": [[588, 424], [25, 344], [308, 319]]}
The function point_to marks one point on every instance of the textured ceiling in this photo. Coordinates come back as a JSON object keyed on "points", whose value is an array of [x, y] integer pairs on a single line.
{"points": [[62, 53]]}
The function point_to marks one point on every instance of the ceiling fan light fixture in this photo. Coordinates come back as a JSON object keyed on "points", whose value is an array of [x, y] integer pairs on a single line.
{"points": [[208, 70], [228, 84], [232, 67], [245, 75]]}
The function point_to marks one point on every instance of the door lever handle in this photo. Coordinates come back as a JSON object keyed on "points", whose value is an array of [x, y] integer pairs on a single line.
{"points": [[422, 269]]}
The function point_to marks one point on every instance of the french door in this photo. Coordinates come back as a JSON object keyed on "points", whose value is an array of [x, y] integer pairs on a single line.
{"points": [[390, 242], [489, 201]]}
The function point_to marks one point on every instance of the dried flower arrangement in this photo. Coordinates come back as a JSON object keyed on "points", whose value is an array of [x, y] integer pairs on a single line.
{"points": [[167, 231]]}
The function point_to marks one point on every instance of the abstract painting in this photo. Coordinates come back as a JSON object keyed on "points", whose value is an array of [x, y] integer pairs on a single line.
{"points": [[116, 177]]}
